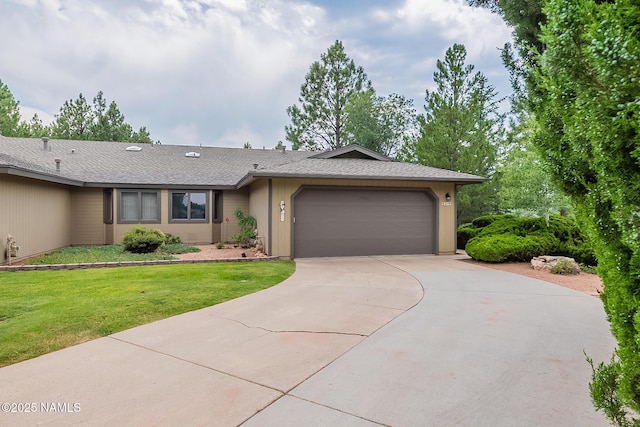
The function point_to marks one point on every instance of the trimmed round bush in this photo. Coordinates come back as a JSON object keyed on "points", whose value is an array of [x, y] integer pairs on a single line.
{"points": [[485, 220], [143, 240], [503, 238], [465, 233], [508, 247]]}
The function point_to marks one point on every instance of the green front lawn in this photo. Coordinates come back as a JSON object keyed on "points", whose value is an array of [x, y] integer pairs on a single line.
{"points": [[107, 253], [44, 311]]}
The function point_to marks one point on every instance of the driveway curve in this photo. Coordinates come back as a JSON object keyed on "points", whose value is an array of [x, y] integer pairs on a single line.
{"points": [[396, 341], [482, 348], [215, 366]]}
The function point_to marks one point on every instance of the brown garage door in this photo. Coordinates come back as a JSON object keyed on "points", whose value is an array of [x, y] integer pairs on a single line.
{"points": [[352, 222]]}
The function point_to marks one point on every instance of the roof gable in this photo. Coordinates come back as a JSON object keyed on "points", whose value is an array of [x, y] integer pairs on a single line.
{"points": [[352, 151]]}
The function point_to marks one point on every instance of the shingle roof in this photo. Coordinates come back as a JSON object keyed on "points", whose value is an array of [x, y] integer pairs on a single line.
{"points": [[348, 168], [99, 163], [96, 163]]}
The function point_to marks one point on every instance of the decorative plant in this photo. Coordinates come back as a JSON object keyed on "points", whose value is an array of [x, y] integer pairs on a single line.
{"points": [[564, 266], [172, 240], [143, 240], [247, 225]]}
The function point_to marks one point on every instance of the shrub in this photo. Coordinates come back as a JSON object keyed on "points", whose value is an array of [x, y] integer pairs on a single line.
{"points": [[508, 247], [465, 233], [564, 266], [483, 221], [247, 225], [220, 245], [502, 238], [170, 239], [142, 240]]}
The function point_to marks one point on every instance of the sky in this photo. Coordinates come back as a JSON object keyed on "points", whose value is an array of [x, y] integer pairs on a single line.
{"points": [[223, 72]]}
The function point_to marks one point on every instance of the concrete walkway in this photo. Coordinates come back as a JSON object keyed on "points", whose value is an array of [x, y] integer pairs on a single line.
{"points": [[483, 347]]}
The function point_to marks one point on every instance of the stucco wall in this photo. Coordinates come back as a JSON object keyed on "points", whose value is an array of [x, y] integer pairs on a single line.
{"points": [[37, 214], [283, 189]]}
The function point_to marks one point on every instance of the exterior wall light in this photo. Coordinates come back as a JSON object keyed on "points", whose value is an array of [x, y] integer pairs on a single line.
{"points": [[447, 197]]}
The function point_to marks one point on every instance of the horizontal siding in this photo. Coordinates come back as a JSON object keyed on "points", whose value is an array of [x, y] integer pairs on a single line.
{"points": [[87, 222], [37, 214], [259, 209], [230, 201]]}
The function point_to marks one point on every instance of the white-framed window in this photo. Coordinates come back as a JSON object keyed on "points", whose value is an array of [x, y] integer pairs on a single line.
{"points": [[139, 206], [189, 206]]}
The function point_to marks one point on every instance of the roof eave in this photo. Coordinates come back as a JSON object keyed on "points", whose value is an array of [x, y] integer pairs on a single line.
{"points": [[159, 186], [252, 176], [26, 173]]}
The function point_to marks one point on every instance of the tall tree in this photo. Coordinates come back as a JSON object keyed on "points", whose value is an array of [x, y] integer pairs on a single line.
{"points": [[461, 130], [108, 123], [142, 136], [318, 123], [9, 112], [381, 124], [74, 121], [78, 119], [35, 128]]}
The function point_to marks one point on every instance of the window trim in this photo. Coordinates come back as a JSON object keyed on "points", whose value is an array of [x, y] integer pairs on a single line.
{"points": [[107, 206], [188, 220], [139, 207]]}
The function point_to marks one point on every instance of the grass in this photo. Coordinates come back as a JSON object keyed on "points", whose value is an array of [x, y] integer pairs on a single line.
{"points": [[108, 253], [44, 311]]}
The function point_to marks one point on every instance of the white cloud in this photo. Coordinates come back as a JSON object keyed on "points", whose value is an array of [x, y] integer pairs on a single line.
{"points": [[185, 134], [27, 113], [221, 71], [453, 20]]}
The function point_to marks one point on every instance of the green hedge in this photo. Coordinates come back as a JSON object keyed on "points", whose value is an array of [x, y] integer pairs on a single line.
{"points": [[503, 238]]}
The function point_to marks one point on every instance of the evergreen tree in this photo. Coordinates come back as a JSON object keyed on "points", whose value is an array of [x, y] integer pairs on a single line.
{"points": [[460, 131], [74, 121], [108, 123], [9, 112], [318, 123], [78, 119]]}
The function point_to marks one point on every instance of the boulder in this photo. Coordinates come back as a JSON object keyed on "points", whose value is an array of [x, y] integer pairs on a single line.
{"points": [[547, 262]]}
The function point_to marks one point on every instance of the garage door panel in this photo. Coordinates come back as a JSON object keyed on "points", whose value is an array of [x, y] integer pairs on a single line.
{"points": [[338, 222]]}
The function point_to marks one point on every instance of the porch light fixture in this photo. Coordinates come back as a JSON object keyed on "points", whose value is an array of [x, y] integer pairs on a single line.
{"points": [[447, 197]]}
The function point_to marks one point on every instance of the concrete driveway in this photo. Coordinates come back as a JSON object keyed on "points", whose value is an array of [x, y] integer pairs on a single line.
{"points": [[402, 341]]}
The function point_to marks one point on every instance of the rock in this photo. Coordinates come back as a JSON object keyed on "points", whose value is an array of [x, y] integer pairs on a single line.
{"points": [[547, 262]]}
